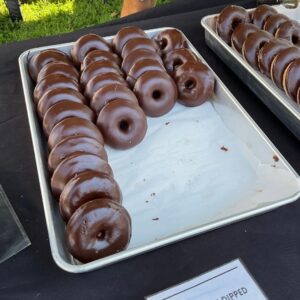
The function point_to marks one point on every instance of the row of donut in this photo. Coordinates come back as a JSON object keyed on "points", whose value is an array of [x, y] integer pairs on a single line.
{"points": [[277, 58], [82, 180]]}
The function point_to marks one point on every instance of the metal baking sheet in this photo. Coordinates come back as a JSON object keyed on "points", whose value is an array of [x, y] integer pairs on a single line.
{"points": [[196, 170], [274, 98]]}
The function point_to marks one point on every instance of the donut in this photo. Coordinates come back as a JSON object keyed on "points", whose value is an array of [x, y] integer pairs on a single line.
{"points": [[44, 57], [260, 15], [56, 95], [123, 124], [63, 110], [51, 82], [280, 62], [177, 57], [97, 68], [141, 67], [86, 44], [85, 187], [291, 79], [170, 39], [195, 83], [229, 18], [298, 96], [58, 67], [253, 43], [74, 145], [289, 30], [124, 35], [239, 35], [73, 127], [273, 22], [111, 92], [97, 229], [98, 55], [156, 92], [98, 81], [139, 43], [135, 56], [74, 165], [268, 51]]}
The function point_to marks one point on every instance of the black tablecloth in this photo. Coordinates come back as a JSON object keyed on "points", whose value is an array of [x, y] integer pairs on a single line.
{"points": [[269, 244]]}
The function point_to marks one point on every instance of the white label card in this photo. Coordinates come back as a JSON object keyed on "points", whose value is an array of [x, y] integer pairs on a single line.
{"points": [[231, 281]]}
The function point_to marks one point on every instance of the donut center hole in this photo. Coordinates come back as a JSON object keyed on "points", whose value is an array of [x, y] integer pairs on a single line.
{"points": [[101, 235], [124, 125], [156, 95], [235, 23], [295, 39], [164, 43], [190, 84], [177, 63]]}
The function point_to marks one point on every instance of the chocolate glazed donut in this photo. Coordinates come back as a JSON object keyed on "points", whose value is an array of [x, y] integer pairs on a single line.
{"points": [[87, 43], [260, 15], [195, 83], [74, 165], [289, 30], [73, 127], [140, 67], [240, 34], [74, 145], [97, 229], [177, 57], [267, 53], [124, 35], [63, 110], [229, 18], [291, 79], [85, 187], [44, 57], [253, 44], [111, 92], [53, 81], [273, 22], [123, 124], [56, 95], [170, 39], [156, 92]]}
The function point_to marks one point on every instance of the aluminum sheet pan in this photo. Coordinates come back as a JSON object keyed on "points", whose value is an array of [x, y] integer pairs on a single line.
{"points": [[196, 170], [274, 98]]}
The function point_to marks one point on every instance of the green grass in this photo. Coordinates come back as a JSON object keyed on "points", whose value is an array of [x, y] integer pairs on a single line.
{"points": [[50, 17]]}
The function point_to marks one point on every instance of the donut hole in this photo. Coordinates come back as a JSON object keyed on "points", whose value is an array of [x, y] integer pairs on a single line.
{"points": [[156, 95], [190, 84], [177, 63], [295, 39], [124, 126], [236, 23], [101, 235], [163, 43]]}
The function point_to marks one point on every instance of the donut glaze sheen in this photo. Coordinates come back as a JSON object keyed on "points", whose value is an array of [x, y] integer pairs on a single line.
{"points": [[291, 79], [273, 22], [253, 43], [229, 18], [267, 53], [298, 96], [74, 127], [289, 30], [39, 60], [63, 110], [140, 67], [98, 68], [156, 92], [98, 81], [177, 57], [58, 67], [124, 35], [53, 81], [86, 44], [85, 187], [123, 124], [281, 61], [56, 95], [195, 83], [74, 145], [111, 92], [260, 15], [98, 55], [74, 165], [170, 39], [136, 55], [139, 43], [240, 34], [97, 229]]}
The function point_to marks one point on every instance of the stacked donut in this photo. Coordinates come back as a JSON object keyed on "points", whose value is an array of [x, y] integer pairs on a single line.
{"points": [[268, 41], [81, 178]]}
